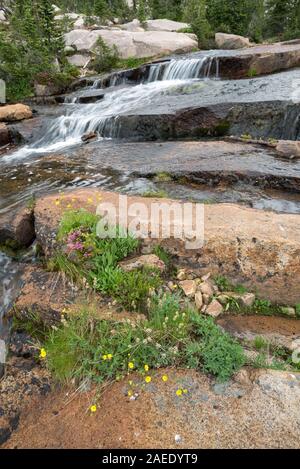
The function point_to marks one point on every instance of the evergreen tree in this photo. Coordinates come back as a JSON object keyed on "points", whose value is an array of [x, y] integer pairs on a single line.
{"points": [[195, 14], [231, 16], [283, 18], [101, 8], [31, 45]]}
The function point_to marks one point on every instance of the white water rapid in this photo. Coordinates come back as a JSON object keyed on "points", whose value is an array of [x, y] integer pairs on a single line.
{"points": [[102, 116]]}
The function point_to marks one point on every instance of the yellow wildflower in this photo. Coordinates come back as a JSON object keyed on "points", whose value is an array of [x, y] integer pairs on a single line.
{"points": [[146, 367], [148, 379], [57, 202], [93, 408], [185, 391], [131, 365], [109, 356], [179, 392], [43, 353], [104, 357], [130, 393], [165, 378]]}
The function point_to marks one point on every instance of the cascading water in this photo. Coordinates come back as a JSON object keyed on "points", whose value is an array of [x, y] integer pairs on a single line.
{"points": [[102, 116], [185, 69]]}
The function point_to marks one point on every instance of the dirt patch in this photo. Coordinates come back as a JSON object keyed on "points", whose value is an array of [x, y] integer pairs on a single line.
{"points": [[261, 325]]}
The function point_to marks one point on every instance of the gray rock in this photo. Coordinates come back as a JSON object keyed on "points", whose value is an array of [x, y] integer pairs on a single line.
{"points": [[79, 60], [165, 25], [288, 149], [231, 41]]}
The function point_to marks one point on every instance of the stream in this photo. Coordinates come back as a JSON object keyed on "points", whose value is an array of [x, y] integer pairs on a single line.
{"points": [[55, 159]]}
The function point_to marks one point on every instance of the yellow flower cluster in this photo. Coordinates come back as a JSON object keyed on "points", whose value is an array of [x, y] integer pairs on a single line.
{"points": [[180, 392], [43, 353], [109, 356]]}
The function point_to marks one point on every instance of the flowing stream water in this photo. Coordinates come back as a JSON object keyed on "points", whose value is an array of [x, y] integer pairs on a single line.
{"points": [[164, 78], [55, 159]]}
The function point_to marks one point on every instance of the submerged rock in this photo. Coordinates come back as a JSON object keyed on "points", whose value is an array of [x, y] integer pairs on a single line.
{"points": [[89, 136]]}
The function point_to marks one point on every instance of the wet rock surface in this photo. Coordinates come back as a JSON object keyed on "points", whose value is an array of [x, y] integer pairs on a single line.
{"points": [[18, 229], [203, 162], [204, 171], [277, 331]]}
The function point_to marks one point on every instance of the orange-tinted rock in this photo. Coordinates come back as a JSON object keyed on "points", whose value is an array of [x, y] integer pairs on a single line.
{"points": [[14, 112], [260, 249]]}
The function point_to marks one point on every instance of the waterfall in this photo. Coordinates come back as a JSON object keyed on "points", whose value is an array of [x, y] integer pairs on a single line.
{"points": [[102, 116], [185, 69]]}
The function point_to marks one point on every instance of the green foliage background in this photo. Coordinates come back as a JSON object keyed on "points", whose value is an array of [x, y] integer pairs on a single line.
{"points": [[32, 46]]}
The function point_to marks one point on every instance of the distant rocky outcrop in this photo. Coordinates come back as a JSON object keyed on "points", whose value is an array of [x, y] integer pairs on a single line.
{"points": [[129, 43]]}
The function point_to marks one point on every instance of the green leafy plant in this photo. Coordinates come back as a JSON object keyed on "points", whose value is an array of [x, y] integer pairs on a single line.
{"points": [[105, 58], [221, 355], [161, 194]]}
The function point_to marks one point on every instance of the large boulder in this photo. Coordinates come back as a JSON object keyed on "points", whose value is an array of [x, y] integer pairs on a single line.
{"points": [[79, 60], [67, 16], [17, 229], [165, 25], [15, 112], [80, 22], [132, 44], [162, 43], [231, 41], [251, 246], [133, 26], [288, 149]]}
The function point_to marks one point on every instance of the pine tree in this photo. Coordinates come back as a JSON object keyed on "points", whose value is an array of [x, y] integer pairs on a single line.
{"points": [[101, 8], [231, 16], [32, 45], [195, 14]]}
